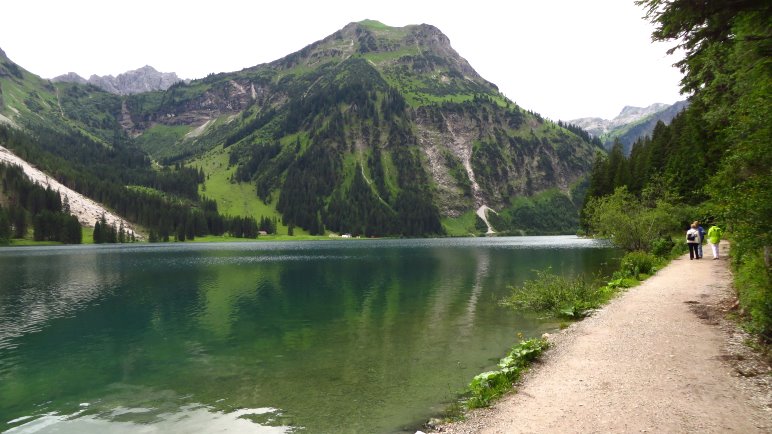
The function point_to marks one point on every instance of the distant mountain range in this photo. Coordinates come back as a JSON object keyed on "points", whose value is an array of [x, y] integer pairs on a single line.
{"points": [[145, 79], [631, 124]]}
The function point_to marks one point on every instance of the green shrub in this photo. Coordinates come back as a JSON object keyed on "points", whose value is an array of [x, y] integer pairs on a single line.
{"points": [[754, 291], [479, 225], [627, 222], [679, 249], [621, 281], [490, 385], [662, 247], [635, 263], [524, 353], [559, 295]]}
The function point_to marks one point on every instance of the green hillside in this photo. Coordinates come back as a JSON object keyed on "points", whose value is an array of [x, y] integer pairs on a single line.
{"points": [[75, 134], [373, 130]]}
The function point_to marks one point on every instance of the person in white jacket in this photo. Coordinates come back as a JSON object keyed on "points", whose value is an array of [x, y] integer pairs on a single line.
{"points": [[693, 240]]}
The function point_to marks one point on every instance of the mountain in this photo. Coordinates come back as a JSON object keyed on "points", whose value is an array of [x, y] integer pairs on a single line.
{"points": [[397, 105], [86, 210], [631, 124], [72, 134], [373, 130], [145, 79]]}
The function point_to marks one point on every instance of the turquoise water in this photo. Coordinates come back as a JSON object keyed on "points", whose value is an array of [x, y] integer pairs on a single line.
{"points": [[319, 337]]}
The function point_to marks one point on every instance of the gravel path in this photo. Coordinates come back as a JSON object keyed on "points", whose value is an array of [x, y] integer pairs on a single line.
{"points": [[659, 358]]}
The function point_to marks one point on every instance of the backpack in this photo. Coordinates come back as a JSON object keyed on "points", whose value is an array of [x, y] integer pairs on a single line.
{"points": [[690, 236]]}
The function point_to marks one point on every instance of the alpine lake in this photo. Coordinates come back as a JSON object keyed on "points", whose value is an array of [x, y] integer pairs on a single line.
{"points": [[339, 336]]}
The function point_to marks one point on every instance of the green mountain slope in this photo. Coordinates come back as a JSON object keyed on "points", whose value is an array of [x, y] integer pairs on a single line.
{"points": [[393, 117], [74, 133], [373, 130]]}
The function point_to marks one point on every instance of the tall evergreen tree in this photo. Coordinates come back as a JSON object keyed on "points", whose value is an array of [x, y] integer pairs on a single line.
{"points": [[727, 69], [5, 227], [98, 237]]}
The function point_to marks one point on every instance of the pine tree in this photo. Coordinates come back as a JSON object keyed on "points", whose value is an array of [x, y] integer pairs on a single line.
{"points": [[98, 236], [5, 227]]}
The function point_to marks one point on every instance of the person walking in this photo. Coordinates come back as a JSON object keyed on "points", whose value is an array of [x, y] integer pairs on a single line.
{"points": [[714, 237], [693, 240], [701, 230]]}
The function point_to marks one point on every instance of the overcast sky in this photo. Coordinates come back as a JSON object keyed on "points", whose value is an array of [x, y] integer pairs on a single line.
{"points": [[562, 58]]}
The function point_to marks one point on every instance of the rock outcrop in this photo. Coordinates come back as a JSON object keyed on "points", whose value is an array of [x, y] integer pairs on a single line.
{"points": [[145, 79]]}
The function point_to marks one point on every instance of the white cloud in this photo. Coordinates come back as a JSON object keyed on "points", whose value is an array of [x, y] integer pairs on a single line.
{"points": [[561, 58]]}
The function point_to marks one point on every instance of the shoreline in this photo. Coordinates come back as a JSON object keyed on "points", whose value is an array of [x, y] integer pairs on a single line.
{"points": [[269, 239], [660, 357]]}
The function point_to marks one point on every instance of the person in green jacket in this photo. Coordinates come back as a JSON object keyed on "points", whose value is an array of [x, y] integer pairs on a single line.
{"points": [[714, 237]]}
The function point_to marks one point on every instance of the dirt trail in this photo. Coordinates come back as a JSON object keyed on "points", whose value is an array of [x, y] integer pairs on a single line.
{"points": [[660, 358]]}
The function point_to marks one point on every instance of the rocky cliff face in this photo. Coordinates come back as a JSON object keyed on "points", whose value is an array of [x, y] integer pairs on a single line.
{"points": [[474, 163], [145, 79]]}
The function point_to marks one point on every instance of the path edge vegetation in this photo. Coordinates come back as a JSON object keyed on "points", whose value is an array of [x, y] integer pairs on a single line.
{"points": [[568, 298], [712, 163]]}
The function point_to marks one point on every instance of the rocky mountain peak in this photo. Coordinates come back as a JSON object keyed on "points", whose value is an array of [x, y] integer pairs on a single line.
{"points": [[8, 69], [422, 48], [631, 114], [144, 79], [432, 39], [430, 35], [71, 77], [631, 123]]}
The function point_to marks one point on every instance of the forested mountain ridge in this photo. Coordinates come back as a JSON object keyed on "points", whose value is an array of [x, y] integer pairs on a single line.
{"points": [[73, 134], [397, 106], [373, 130]]}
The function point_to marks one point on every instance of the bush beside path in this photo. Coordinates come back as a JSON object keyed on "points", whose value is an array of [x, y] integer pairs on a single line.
{"points": [[661, 357]]}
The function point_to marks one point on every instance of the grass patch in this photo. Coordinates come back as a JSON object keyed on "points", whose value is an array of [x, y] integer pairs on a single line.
{"points": [[28, 240], [88, 235], [418, 98], [24, 242], [559, 296], [461, 226], [573, 297], [373, 25], [160, 140], [234, 199], [261, 238]]}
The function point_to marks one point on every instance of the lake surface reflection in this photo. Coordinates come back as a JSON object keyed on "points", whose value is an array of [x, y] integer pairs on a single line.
{"points": [[319, 337]]}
